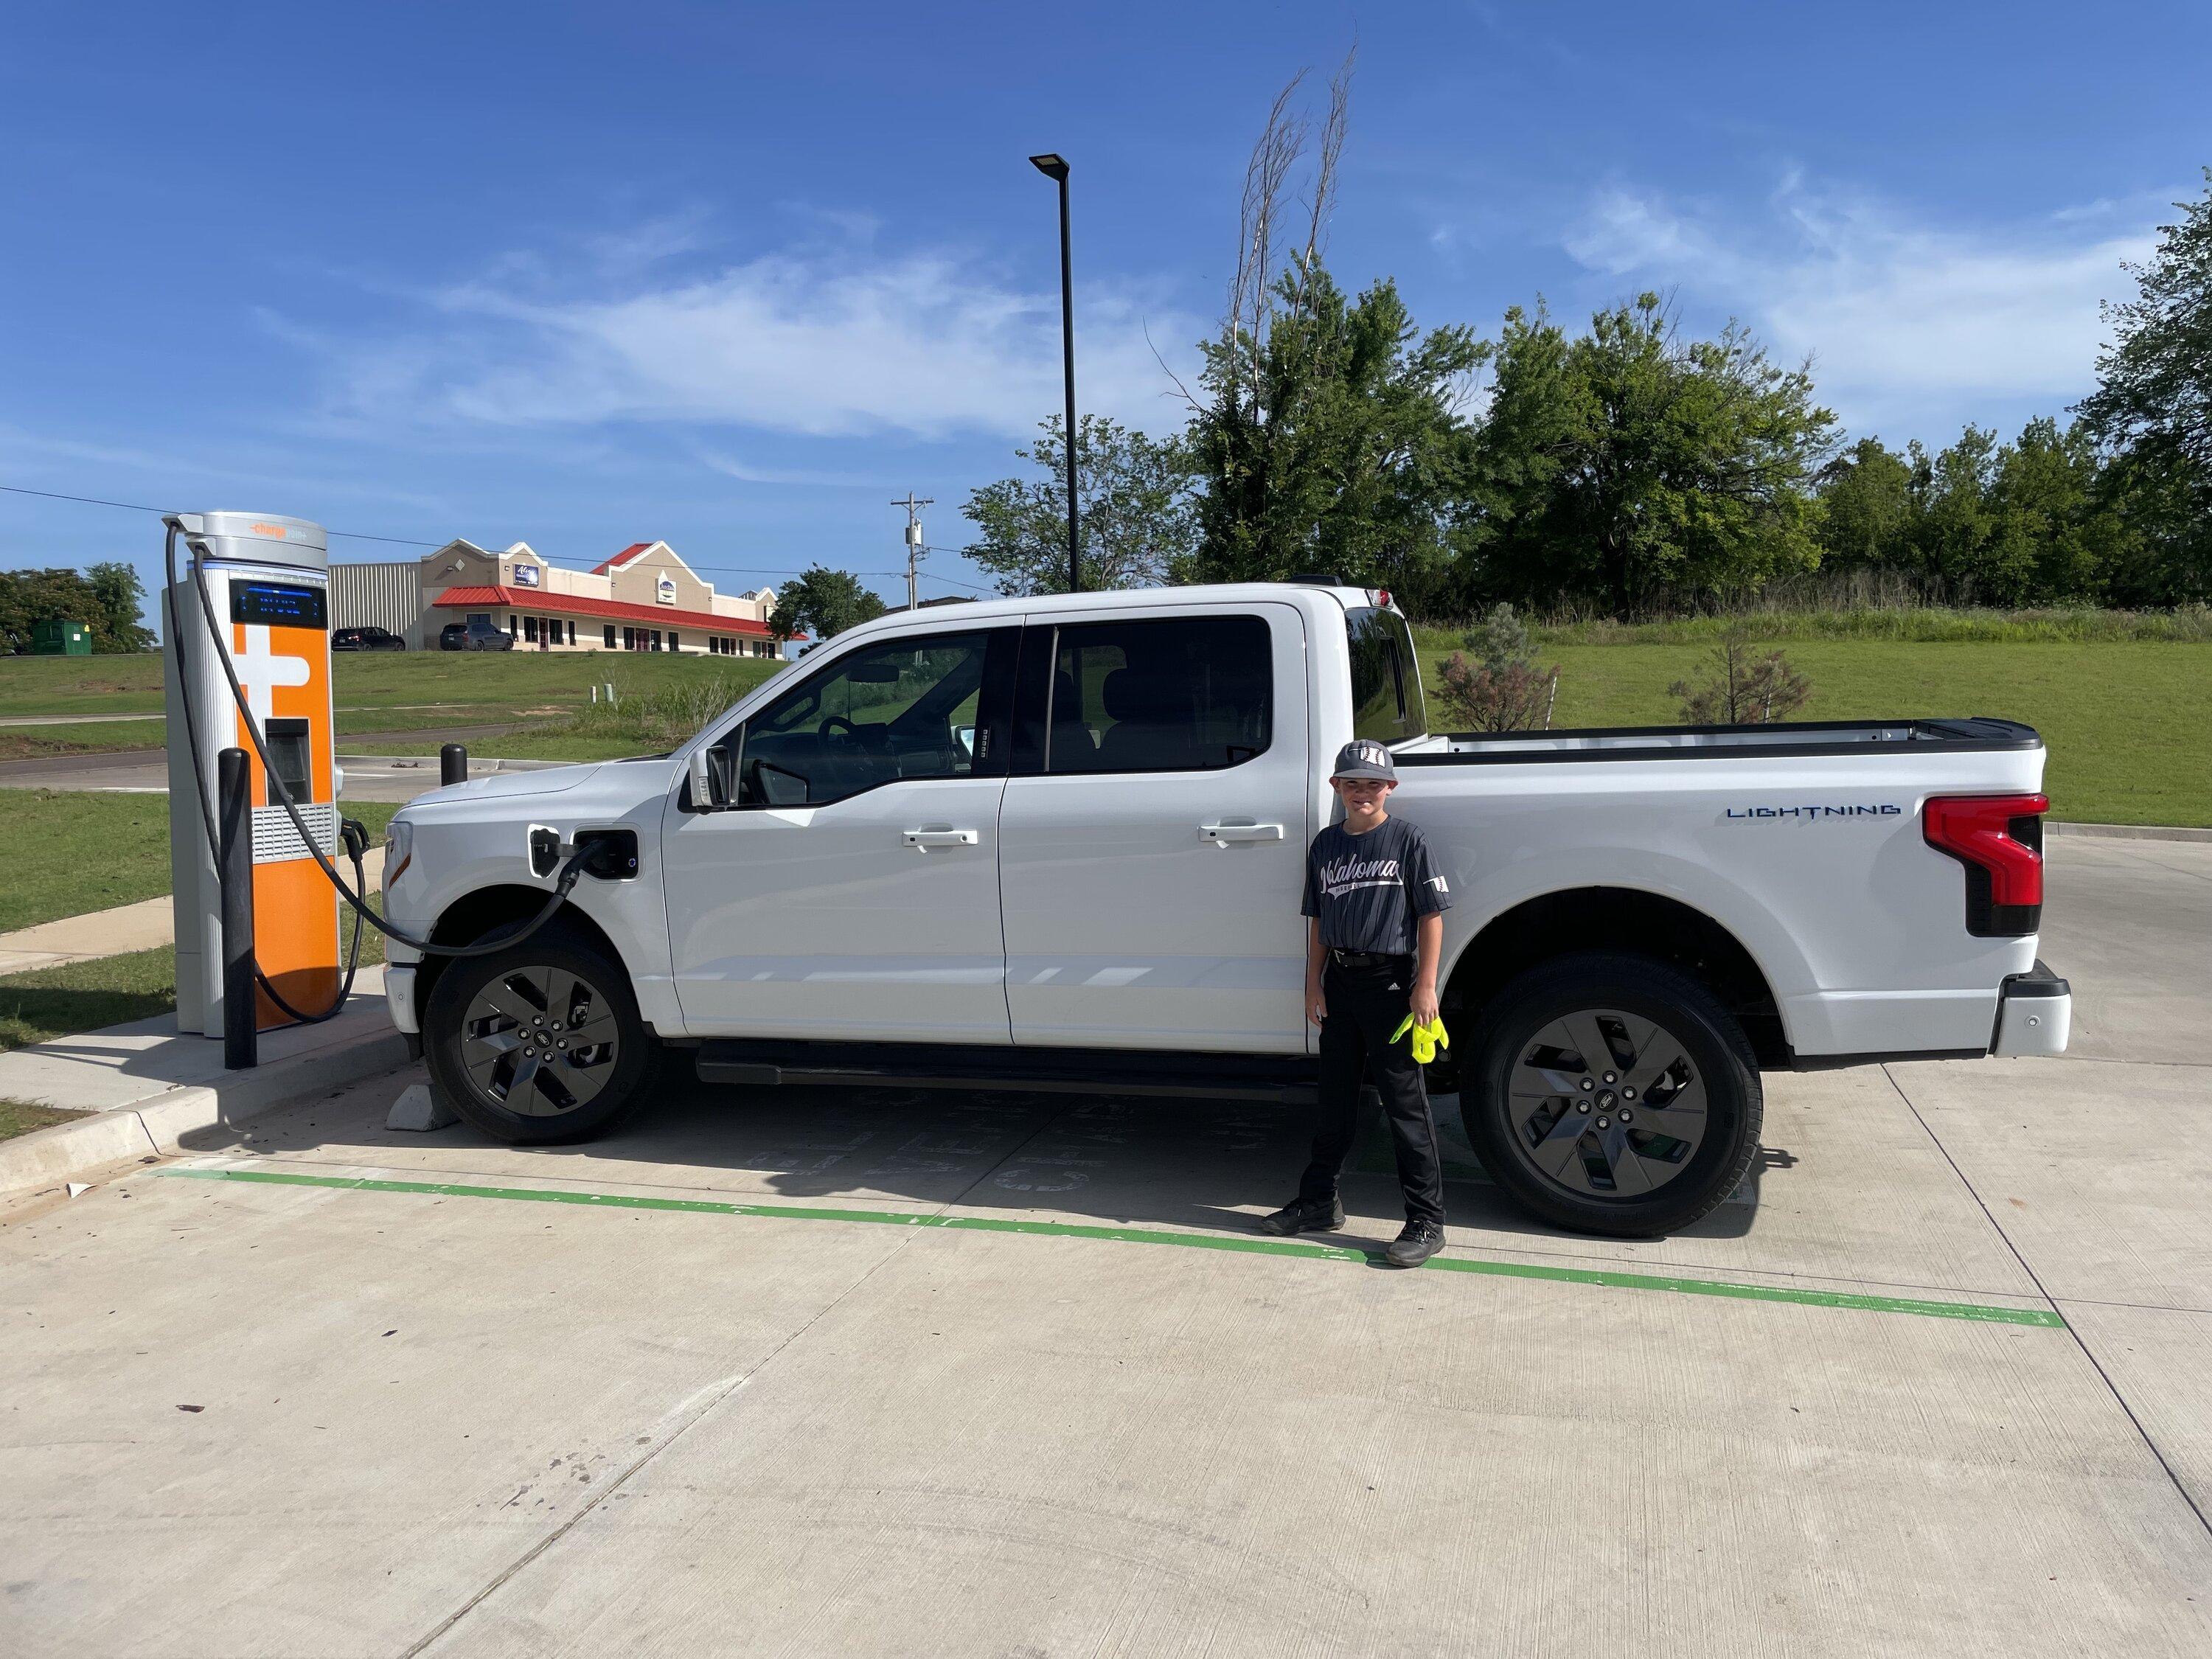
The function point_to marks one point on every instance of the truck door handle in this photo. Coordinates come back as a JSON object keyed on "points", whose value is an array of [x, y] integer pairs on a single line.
{"points": [[927, 838], [1222, 834]]}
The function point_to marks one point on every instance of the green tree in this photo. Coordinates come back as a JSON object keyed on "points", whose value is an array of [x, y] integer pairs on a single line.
{"points": [[105, 599], [2152, 412], [1336, 443], [1327, 431], [2055, 540], [1134, 506], [823, 603], [1632, 468], [1501, 689], [1866, 511], [1746, 689], [117, 593], [1955, 490]]}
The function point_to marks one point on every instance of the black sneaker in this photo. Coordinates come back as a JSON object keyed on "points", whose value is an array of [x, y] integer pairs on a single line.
{"points": [[1421, 1241], [1305, 1215]]}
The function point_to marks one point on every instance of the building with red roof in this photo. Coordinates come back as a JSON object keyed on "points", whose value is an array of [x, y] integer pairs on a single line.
{"points": [[643, 599]]}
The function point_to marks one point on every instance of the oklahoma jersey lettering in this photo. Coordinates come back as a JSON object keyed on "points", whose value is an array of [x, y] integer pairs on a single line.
{"points": [[1368, 891]]}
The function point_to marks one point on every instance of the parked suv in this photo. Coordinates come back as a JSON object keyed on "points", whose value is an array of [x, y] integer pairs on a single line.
{"points": [[367, 639], [477, 634]]}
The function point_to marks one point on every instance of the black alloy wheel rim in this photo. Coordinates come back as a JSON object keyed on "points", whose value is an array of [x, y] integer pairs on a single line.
{"points": [[539, 1041], [1605, 1104]]}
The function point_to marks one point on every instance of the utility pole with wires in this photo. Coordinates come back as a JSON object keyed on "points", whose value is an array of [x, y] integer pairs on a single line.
{"points": [[914, 549]]}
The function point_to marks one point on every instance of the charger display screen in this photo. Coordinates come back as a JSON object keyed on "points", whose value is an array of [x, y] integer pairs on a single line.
{"points": [[279, 605]]}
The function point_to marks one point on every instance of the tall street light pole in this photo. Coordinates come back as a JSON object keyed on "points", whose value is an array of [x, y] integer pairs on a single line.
{"points": [[1054, 168]]}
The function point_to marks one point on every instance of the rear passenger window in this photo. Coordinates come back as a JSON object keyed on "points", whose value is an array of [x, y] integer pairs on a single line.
{"points": [[1387, 703], [1186, 695]]}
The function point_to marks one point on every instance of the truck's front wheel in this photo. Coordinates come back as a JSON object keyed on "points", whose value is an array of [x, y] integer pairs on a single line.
{"points": [[540, 1043], [1613, 1094]]}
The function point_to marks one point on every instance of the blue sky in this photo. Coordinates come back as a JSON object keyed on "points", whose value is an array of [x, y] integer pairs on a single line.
{"points": [[735, 276]]}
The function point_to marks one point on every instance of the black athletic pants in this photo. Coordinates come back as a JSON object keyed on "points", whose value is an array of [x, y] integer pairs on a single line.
{"points": [[1365, 1005]]}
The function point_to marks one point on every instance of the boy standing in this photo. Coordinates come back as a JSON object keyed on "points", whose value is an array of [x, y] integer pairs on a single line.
{"points": [[1377, 905]]}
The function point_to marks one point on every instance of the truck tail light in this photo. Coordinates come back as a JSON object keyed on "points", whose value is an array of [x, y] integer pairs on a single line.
{"points": [[1999, 838]]}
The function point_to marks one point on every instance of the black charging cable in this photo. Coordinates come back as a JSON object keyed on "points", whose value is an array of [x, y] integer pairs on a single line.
{"points": [[563, 884]]}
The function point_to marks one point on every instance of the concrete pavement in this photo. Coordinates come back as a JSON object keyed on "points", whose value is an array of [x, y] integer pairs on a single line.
{"points": [[2130, 922], [903, 1373]]}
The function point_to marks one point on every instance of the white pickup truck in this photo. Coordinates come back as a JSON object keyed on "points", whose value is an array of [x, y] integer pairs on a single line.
{"points": [[1058, 843]]}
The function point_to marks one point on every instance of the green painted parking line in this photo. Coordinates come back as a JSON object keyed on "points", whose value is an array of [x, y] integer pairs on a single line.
{"points": [[978, 1224]]}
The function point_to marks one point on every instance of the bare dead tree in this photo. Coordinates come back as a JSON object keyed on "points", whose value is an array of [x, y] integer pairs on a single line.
{"points": [[1251, 297], [1323, 202], [1284, 142]]}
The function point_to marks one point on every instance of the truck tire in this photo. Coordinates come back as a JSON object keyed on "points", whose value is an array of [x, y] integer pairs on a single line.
{"points": [[1613, 1094], [501, 1035]]}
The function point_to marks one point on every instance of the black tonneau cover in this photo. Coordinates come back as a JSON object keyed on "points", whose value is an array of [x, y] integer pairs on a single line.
{"points": [[1779, 739]]}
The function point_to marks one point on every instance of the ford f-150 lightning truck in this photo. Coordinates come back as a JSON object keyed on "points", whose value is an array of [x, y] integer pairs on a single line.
{"points": [[1058, 842]]}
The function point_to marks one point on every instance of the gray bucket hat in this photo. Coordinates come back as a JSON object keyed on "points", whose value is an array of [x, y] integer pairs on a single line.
{"points": [[1364, 757]]}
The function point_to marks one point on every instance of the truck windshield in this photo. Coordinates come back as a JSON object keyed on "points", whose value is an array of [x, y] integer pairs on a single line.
{"points": [[1386, 678]]}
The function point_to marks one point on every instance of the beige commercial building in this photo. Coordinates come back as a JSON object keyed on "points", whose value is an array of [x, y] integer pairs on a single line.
{"points": [[643, 599]]}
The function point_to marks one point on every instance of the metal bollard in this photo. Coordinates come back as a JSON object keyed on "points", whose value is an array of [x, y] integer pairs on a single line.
{"points": [[233, 820], [452, 764]]}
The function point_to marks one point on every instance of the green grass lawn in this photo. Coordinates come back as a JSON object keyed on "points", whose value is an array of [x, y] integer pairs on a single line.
{"points": [[2129, 723], [30, 742], [20, 1117], [375, 691], [108, 737], [66, 852], [553, 743], [84, 996], [2125, 702], [365, 680]]}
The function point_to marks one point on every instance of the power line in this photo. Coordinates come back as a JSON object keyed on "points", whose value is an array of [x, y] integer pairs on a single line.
{"points": [[797, 570], [403, 541], [140, 506]]}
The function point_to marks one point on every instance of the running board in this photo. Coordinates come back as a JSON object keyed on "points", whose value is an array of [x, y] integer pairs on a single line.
{"points": [[766, 1062]]}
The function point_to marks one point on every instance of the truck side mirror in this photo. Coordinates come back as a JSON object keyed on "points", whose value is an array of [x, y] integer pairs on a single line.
{"points": [[703, 780]]}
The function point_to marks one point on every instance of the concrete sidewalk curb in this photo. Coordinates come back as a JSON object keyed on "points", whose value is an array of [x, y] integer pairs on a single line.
{"points": [[160, 1123], [47, 1158], [2127, 831]]}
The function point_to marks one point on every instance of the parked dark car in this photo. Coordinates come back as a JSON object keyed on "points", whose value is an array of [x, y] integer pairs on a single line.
{"points": [[477, 634], [367, 639]]}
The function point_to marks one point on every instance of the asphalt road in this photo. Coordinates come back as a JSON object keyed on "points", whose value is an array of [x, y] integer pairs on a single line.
{"points": [[809, 1372]]}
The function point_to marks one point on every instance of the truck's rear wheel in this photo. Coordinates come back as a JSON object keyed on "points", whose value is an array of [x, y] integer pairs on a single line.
{"points": [[538, 1044], [1613, 1094]]}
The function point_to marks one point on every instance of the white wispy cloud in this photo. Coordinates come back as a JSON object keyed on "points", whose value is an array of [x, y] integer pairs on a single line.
{"points": [[1897, 311], [830, 339], [732, 466]]}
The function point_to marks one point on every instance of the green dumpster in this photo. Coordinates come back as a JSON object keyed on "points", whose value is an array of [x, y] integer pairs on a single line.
{"points": [[56, 637]]}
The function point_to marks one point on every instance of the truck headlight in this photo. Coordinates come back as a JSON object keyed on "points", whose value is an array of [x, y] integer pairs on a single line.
{"points": [[398, 849]]}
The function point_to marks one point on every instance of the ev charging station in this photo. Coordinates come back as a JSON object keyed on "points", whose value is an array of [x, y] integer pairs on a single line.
{"points": [[267, 580]]}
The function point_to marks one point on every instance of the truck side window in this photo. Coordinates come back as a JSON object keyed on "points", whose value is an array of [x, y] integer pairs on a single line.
{"points": [[1177, 695], [1387, 703], [907, 708]]}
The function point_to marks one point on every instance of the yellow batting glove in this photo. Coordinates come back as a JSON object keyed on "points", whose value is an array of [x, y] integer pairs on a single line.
{"points": [[1427, 1039]]}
